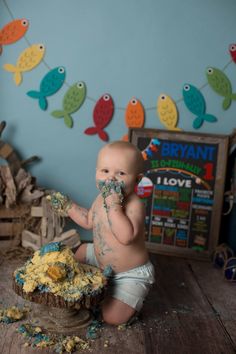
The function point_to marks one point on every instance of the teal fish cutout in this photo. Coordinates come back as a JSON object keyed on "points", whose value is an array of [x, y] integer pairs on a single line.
{"points": [[195, 102], [50, 84], [72, 101], [221, 84]]}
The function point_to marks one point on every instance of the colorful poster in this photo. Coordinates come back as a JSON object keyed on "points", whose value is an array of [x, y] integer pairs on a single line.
{"points": [[179, 206]]}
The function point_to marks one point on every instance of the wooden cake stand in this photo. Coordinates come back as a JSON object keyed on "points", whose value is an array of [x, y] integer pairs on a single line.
{"points": [[57, 315]]}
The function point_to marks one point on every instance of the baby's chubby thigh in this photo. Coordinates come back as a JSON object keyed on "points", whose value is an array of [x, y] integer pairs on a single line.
{"points": [[80, 254]]}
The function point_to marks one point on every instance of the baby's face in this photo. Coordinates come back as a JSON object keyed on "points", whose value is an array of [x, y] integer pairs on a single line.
{"points": [[117, 165]]}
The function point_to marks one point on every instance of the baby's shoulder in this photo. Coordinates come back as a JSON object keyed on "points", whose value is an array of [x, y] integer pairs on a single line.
{"points": [[134, 202]]}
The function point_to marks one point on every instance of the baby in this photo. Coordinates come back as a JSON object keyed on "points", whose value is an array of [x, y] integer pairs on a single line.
{"points": [[117, 218]]}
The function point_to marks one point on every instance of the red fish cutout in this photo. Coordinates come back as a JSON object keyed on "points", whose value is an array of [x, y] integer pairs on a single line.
{"points": [[232, 50], [102, 114], [13, 31]]}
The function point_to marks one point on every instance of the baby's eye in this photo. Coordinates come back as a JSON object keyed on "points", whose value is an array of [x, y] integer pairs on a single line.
{"points": [[105, 170], [121, 173]]}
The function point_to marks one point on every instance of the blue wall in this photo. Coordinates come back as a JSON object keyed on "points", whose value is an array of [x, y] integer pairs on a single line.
{"points": [[126, 48]]}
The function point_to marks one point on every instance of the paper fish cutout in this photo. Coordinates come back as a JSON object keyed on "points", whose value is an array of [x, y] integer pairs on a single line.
{"points": [[13, 31], [167, 111], [26, 61], [102, 115], [195, 102], [221, 84], [72, 101], [232, 50], [134, 115], [49, 85]]}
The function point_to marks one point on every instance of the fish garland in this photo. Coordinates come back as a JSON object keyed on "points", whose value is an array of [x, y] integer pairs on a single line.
{"points": [[50, 84], [195, 102], [232, 50], [221, 84], [167, 111], [134, 115], [26, 61], [104, 108], [13, 32], [72, 101], [102, 115]]}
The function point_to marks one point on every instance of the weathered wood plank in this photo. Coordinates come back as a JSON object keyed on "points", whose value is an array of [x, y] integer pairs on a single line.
{"points": [[14, 212], [10, 228], [222, 300], [187, 323]]}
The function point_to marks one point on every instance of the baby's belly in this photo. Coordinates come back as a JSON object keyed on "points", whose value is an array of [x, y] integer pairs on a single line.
{"points": [[120, 257]]}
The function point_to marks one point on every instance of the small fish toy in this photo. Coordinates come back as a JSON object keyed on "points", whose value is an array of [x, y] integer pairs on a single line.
{"points": [[26, 61], [134, 115], [195, 102], [50, 247], [167, 111], [50, 84], [13, 31], [72, 101], [221, 84], [102, 115], [232, 50]]}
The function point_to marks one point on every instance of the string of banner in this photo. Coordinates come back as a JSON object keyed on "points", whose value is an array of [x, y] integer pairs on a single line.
{"points": [[103, 111]]}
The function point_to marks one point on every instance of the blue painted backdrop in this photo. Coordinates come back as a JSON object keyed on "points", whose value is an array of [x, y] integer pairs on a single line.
{"points": [[126, 48]]}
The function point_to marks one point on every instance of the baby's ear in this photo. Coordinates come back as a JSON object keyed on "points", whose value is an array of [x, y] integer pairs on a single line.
{"points": [[139, 177]]}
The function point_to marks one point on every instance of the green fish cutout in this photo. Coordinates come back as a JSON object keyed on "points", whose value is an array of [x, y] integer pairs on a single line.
{"points": [[72, 101], [221, 84]]}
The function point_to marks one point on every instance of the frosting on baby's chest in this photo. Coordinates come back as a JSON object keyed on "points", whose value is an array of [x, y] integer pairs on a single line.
{"points": [[99, 216]]}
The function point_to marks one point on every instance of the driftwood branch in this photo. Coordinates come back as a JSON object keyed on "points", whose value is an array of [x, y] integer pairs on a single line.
{"points": [[2, 126], [10, 188], [30, 160]]}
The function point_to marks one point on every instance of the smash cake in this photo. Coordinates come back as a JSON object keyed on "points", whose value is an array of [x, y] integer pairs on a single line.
{"points": [[53, 277]]}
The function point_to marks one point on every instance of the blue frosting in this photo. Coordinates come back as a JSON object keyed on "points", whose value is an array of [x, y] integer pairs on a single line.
{"points": [[50, 247]]}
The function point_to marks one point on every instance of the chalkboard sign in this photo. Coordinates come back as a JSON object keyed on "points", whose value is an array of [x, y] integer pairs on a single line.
{"points": [[182, 188]]}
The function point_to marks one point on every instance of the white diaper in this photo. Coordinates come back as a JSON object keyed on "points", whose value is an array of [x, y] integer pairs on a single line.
{"points": [[130, 287]]}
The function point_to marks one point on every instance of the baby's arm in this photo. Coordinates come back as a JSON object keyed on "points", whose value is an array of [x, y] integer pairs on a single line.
{"points": [[125, 223], [63, 206], [81, 216]]}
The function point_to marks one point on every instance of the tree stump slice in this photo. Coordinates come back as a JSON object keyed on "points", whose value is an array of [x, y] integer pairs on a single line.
{"points": [[56, 315], [51, 300]]}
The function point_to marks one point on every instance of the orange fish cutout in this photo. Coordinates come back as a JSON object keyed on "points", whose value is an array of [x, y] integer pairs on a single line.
{"points": [[134, 115], [13, 31]]}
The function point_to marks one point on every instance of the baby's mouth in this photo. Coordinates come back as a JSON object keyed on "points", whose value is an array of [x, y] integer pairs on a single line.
{"points": [[111, 185]]}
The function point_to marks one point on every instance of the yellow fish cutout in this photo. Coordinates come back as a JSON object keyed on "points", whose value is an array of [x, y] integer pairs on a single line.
{"points": [[26, 61], [167, 111]]}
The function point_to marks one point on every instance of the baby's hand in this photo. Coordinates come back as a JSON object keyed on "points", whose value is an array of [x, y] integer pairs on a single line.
{"points": [[59, 203], [112, 193], [109, 187]]}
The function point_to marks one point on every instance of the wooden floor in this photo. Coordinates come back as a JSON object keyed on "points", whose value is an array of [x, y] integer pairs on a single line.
{"points": [[191, 309]]}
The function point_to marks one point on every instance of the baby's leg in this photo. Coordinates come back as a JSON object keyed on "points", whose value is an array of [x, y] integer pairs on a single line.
{"points": [[116, 312], [80, 254]]}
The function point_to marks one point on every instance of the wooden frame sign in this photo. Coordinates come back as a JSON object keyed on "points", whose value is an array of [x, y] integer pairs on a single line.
{"points": [[182, 188]]}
